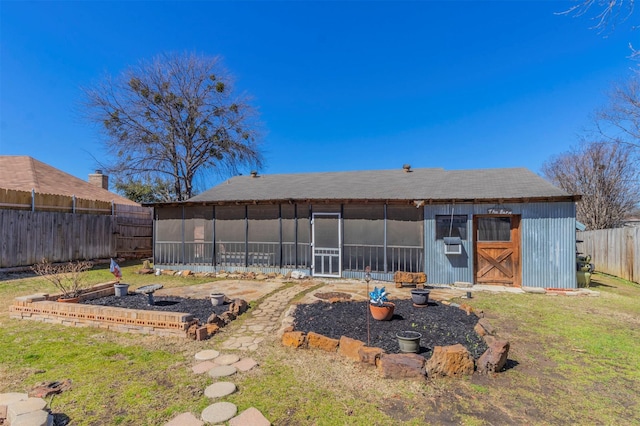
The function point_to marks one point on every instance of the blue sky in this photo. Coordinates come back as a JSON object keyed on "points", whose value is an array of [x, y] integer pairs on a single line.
{"points": [[340, 85]]}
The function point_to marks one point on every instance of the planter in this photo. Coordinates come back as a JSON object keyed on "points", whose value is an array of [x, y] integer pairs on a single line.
{"points": [[420, 297], [68, 300], [121, 290], [382, 312], [409, 341], [217, 299]]}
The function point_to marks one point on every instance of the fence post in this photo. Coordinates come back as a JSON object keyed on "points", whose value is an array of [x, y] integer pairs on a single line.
{"points": [[73, 204], [33, 199]]}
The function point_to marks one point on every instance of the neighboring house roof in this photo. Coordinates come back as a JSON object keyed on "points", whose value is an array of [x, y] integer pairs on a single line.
{"points": [[24, 173], [437, 185]]}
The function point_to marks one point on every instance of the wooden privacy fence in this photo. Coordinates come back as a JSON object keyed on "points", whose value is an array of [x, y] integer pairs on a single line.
{"points": [[33, 226], [34, 201], [613, 251]]}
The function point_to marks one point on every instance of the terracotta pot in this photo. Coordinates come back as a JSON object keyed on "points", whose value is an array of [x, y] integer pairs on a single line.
{"points": [[68, 300], [382, 313]]}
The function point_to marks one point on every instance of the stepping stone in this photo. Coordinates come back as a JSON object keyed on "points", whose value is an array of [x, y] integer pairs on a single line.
{"points": [[185, 419], [207, 355], [245, 364], [250, 417], [33, 418], [219, 412], [222, 371], [19, 408], [219, 389], [227, 359], [203, 367]]}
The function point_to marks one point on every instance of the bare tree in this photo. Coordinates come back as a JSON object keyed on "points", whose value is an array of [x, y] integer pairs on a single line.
{"points": [[606, 14], [605, 175], [619, 120], [174, 118]]}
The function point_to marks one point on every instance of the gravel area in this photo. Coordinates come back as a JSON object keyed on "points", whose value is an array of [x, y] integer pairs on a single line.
{"points": [[199, 308], [440, 325]]}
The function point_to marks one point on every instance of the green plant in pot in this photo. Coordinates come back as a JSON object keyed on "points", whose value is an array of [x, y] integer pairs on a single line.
{"points": [[67, 277], [380, 307]]}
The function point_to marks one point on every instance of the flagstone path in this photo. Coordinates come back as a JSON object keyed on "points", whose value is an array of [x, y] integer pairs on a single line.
{"points": [[265, 322]]}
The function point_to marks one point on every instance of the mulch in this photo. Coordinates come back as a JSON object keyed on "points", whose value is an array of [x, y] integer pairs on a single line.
{"points": [[439, 324], [199, 308]]}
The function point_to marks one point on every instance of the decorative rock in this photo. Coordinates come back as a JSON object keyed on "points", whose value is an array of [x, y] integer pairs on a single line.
{"points": [[483, 327], [49, 388], [185, 419], [370, 355], [349, 348], [238, 307], [295, 339], [297, 275], [227, 359], [467, 308], [203, 367], [399, 366], [227, 317], [450, 361], [219, 412], [212, 329], [494, 358], [410, 277], [245, 364], [261, 277], [251, 416], [207, 355], [318, 341], [216, 320], [219, 389], [223, 371]]}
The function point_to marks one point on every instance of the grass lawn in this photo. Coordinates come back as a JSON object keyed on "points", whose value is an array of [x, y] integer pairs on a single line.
{"points": [[573, 360]]}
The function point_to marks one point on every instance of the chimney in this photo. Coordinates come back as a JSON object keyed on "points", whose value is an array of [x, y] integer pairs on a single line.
{"points": [[254, 173], [99, 180], [407, 168]]}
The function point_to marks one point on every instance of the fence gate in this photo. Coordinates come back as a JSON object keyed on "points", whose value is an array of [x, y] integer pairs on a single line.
{"points": [[327, 245]]}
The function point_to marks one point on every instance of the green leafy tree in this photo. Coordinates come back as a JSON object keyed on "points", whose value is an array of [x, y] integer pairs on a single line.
{"points": [[174, 119], [145, 190]]}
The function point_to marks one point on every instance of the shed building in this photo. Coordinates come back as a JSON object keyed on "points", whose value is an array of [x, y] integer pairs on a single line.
{"points": [[493, 226]]}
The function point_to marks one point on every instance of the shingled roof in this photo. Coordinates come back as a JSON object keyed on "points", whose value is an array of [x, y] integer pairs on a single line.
{"points": [[436, 185], [24, 173]]}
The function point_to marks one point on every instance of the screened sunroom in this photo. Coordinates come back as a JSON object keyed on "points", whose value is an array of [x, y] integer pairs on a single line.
{"points": [[328, 238], [494, 226]]}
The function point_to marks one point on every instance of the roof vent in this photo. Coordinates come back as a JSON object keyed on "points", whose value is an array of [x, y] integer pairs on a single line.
{"points": [[407, 167], [254, 173]]}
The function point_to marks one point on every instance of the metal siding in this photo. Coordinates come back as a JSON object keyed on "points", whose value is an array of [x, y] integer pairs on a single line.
{"points": [[439, 267], [548, 241]]}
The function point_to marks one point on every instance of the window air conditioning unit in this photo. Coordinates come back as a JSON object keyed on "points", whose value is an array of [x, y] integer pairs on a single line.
{"points": [[452, 245]]}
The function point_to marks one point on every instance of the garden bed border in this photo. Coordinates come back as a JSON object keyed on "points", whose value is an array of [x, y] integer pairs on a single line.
{"points": [[45, 308], [409, 365]]}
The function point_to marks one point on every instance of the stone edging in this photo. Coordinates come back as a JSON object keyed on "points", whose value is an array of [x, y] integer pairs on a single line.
{"points": [[453, 361]]}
